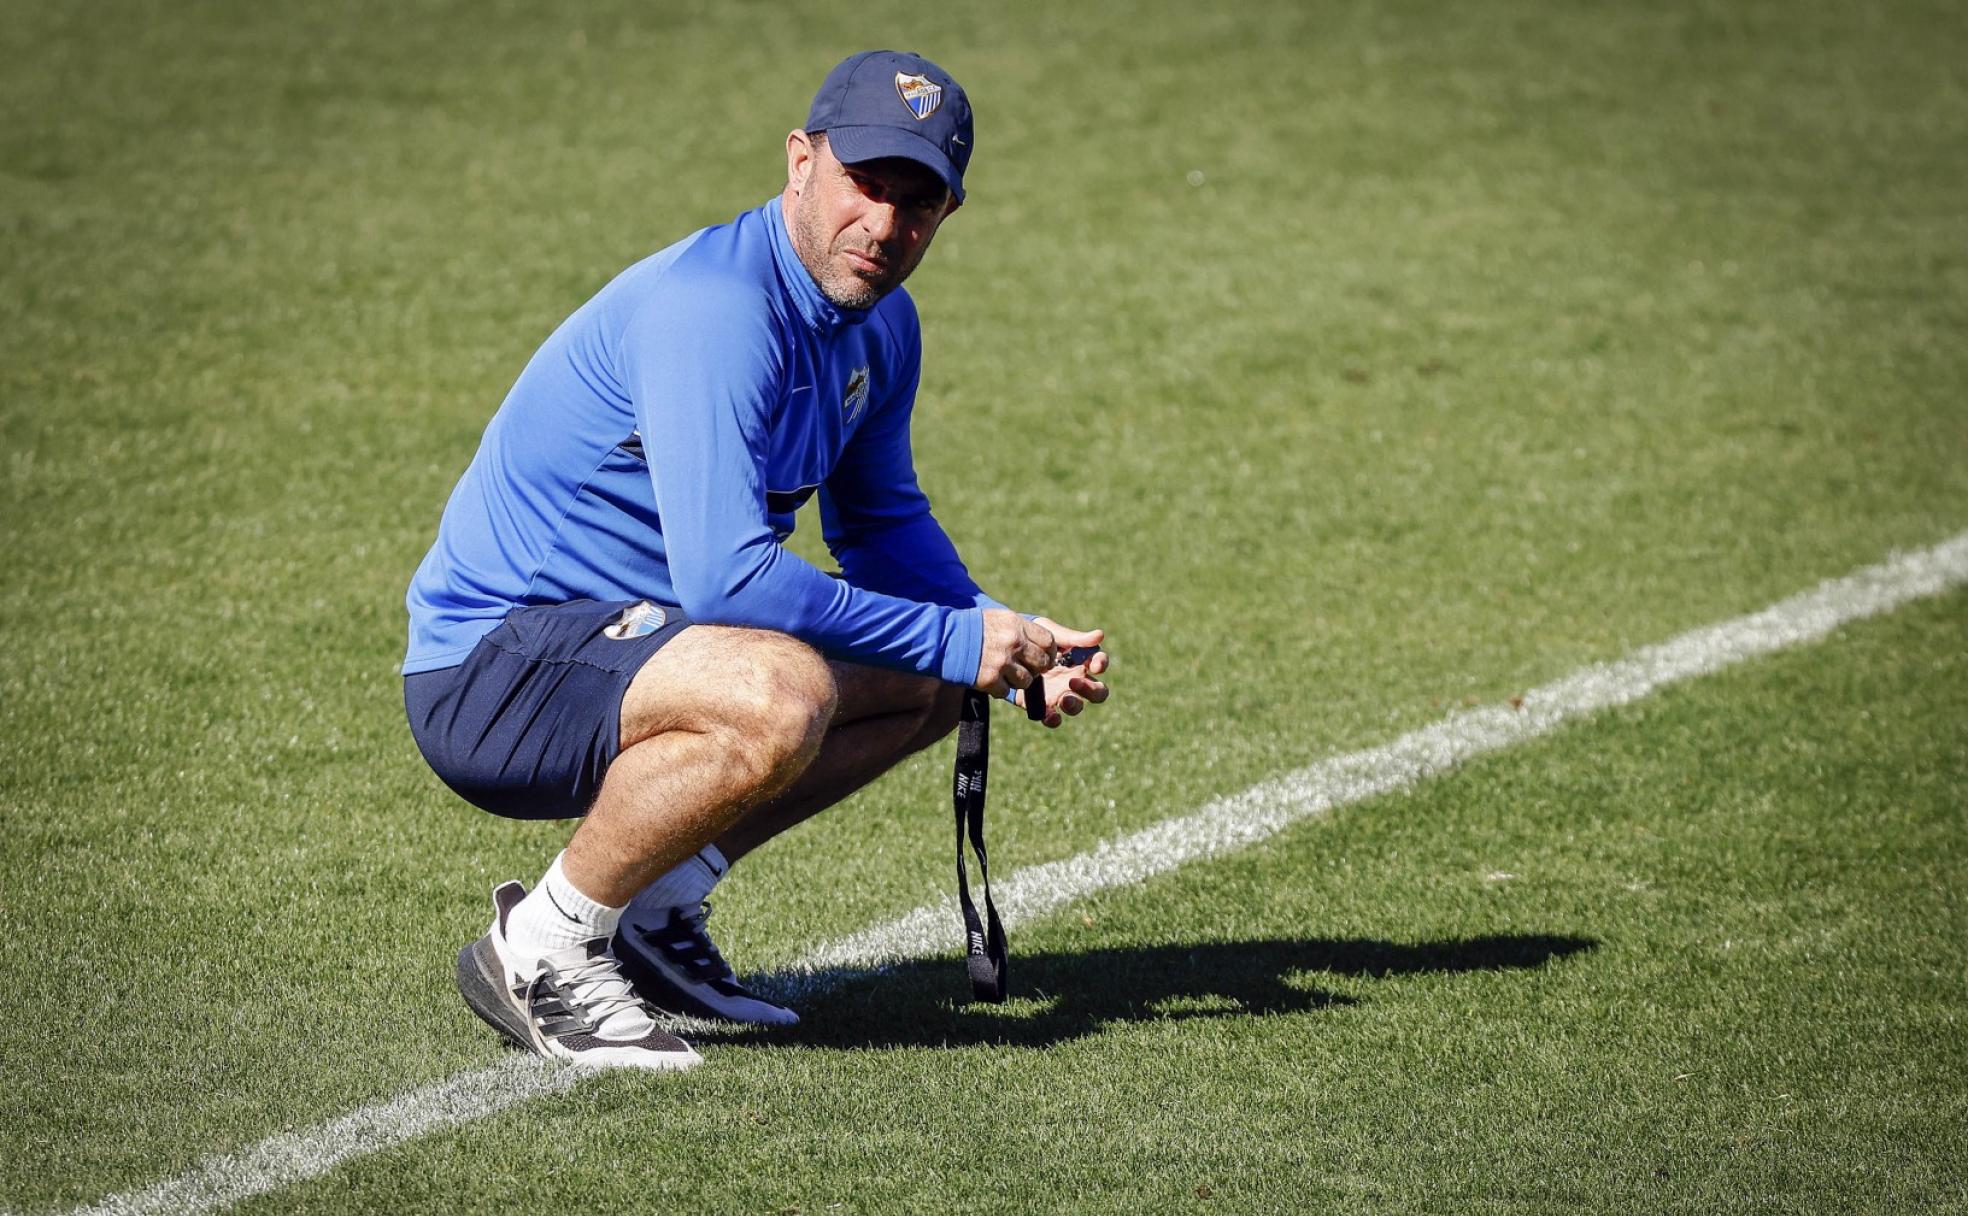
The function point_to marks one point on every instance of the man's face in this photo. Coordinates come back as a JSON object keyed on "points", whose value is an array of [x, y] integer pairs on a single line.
{"points": [[860, 229]]}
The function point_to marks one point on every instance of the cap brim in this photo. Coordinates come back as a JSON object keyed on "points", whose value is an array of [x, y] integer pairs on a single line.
{"points": [[852, 145]]}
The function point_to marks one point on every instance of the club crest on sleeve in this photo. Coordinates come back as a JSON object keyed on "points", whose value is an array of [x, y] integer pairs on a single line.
{"points": [[922, 95], [637, 621], [857, 394]]}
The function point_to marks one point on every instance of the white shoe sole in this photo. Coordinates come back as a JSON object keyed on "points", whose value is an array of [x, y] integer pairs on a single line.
{"points": [[481, 981]]}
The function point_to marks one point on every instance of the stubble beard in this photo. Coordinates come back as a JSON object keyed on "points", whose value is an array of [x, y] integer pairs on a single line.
{"points": [[824, 262]]}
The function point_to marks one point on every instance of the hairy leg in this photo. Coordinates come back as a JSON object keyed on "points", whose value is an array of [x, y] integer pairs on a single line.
{"points": [[718, 721], [881, 718]]}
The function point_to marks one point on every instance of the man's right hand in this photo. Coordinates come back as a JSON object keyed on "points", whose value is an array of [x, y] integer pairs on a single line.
{"points": [[1016, 651]]}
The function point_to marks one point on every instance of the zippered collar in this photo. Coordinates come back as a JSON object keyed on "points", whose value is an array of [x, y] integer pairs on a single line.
{"points": [[821, 315]]}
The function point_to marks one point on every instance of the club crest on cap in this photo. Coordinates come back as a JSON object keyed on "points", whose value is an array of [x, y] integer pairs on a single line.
{"points": [[921, 94]]}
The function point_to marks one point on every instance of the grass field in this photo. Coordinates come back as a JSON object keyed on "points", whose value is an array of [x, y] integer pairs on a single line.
{"points": [[1350, 363]]}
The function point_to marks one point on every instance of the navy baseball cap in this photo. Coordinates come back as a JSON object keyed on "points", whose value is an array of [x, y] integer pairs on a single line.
{"points": [[895, 103]]}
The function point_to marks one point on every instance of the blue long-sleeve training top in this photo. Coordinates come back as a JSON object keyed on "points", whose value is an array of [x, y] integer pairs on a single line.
{"points": [[659, 442]]}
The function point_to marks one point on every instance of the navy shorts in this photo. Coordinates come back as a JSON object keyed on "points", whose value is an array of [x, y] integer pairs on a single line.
{"points": [[528, 724]]}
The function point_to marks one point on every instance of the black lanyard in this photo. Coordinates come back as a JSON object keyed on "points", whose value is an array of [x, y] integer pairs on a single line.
{"points": [[984, 939]]}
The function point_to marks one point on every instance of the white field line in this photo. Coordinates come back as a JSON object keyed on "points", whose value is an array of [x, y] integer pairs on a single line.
{"points": [[1220, 827], [1226, 825], [222, 1180]]}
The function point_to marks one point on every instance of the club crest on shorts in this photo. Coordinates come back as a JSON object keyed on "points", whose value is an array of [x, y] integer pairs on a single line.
{"points": [[922, 95], [637, 621], [857, 394]]}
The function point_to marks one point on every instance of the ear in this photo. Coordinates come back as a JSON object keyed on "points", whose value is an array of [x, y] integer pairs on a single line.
{"points": [[800, 158]]}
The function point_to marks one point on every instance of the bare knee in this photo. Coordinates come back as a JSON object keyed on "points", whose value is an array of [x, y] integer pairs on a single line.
{"points": [[767, 699], [775, 696]]}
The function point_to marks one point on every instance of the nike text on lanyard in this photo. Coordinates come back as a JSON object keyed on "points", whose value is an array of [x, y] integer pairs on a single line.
{"points": [[984, 938]]}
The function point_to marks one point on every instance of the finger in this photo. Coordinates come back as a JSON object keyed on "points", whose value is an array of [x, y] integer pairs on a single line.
{"points": [[1077, 637], [1098, 663], [1071, 705], [1036, 656], [1017, 677], [1037, 635]]}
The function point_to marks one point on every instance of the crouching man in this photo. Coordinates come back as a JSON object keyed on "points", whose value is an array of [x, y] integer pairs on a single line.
{"points": [[607, 627]]}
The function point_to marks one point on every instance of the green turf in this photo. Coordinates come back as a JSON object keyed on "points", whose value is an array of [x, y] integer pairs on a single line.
{"points": [[1723, 973], [1495, 339]]}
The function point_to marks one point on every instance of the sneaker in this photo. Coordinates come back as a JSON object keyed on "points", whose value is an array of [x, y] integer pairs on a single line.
{"points": [[675, 966], [575, 1005]]}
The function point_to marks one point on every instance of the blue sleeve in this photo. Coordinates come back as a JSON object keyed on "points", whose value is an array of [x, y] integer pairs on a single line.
{"points": [[703, 368], [876, 519]]}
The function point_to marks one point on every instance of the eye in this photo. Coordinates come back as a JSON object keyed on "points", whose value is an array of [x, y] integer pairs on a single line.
{"points": [[875, 191]]}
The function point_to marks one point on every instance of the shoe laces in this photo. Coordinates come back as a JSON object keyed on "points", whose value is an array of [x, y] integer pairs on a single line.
{"points": [[595, 984], [686, 943]]}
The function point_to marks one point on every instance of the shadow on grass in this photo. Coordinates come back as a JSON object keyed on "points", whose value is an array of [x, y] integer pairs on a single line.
{"points": [[1065, 995]]}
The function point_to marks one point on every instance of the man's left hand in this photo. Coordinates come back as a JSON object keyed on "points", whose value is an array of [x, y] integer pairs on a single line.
{"points": [[1070, 687]]}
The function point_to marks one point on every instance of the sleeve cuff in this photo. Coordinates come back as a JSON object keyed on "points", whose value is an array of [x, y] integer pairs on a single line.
{"points": [[963, 648]]}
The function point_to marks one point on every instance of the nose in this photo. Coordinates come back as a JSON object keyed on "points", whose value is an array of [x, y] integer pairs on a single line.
{"points": [[880, 221]]}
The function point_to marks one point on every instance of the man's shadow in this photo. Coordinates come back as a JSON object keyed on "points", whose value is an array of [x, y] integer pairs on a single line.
{"points": [[1062, 995]]}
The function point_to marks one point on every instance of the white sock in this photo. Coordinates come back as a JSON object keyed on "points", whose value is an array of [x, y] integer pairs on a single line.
{"points": [[686, 885], [556, 915]]}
